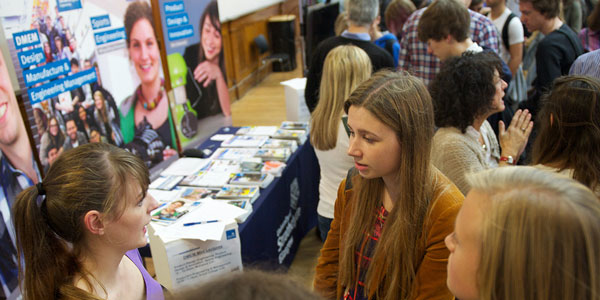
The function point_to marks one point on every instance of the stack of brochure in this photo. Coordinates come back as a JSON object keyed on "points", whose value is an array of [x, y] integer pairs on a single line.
{"points": [[290, 134], [246, 162], [170, 212], [277, 143], [234, 153], [248, 141], [207, 179], [294, 125], [280, 154], [252, 179], [257, 130], [239, 192]]}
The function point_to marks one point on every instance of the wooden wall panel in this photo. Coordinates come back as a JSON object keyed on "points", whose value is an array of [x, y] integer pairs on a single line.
{"points": [[242, 57]]}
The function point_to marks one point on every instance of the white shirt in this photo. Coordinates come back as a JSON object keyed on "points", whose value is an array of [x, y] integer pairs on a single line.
{"points": [[515, 33], [334, 164]]}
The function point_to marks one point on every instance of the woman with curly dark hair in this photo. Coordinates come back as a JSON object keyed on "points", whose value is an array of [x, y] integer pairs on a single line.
{"points": [[467, 90]]}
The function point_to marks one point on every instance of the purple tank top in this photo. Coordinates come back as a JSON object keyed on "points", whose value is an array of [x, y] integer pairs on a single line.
{"points": [[153, 289]]}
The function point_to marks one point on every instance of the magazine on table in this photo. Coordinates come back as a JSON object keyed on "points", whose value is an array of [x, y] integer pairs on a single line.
{"points": [[247, 141], [185, 166], [257, 130], [254, 179], [279, 143], [251, 165], [207, 179], [235, 192], [237, 154], [273, 167], [166, 183], [220, 165], [288, 134], [280, 154], [294, 125], [198, 193], [170, 212]]}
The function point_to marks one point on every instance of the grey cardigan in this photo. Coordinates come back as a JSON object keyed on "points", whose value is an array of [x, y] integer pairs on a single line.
{"points": [[457, 154]]}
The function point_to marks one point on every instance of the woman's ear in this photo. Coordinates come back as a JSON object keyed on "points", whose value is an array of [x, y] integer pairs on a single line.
{"points": [[93, 222]]}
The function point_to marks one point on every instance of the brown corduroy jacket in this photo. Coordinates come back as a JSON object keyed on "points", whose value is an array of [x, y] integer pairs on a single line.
{"points": [[430, 280]]}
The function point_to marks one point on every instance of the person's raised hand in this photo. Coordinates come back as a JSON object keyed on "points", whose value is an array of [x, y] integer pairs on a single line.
{"points": [[514, 139]]}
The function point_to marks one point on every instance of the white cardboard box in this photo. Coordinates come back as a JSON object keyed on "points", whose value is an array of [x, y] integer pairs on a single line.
{"points": [[186, 262], [295, 105]]}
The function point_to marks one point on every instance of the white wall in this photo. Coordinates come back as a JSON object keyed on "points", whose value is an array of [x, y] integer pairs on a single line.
{"points": [[233, 9]]}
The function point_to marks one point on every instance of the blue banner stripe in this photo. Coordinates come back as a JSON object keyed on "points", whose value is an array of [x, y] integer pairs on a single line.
{"points": [[25, 39], [54, 88], [46, 72], [31, 57], [181, 32]]}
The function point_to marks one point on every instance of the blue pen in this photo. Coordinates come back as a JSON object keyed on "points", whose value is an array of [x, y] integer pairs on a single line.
{"points": [[200, 222]]}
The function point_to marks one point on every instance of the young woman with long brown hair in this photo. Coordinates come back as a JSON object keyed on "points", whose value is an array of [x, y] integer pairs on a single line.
{"points": [[387, 236], [79, 229]]}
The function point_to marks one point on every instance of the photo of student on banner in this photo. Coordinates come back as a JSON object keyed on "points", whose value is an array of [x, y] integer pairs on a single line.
{"points": [[145, 120], [207, 90], [18, 171]]}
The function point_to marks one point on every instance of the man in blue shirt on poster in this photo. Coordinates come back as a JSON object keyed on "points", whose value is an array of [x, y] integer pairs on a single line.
{"points": [[18, 171]]}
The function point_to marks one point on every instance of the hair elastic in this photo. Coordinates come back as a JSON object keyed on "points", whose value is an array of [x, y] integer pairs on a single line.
{"points": [[40, 189], [39, 200]]}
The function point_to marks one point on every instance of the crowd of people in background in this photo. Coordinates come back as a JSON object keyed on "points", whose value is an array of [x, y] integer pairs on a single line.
{"points": [[476, 88]]}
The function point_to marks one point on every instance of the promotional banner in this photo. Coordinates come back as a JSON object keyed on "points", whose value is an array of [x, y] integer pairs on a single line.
{"points": [[18, 171], [195, 62], [91, 73]]}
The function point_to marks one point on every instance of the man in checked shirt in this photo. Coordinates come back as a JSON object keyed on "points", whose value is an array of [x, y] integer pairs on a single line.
{"points": [[413, 53]]}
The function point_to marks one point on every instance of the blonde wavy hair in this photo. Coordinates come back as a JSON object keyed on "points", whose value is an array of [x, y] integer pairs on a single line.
{"points": [[344, 69], [540, 236]]}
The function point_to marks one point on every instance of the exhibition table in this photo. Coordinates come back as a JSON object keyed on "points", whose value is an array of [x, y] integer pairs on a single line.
{"points": [[284, 212]]}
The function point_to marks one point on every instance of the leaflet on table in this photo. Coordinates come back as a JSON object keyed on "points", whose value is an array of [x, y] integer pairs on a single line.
{"points": [[165, 182], [257, 130], [207, 179], [246, 141], [294, 125], [281, 154], [297, 135], [252, 179], [220, 137], [197, 193], [169, 213], [164, 196], [273, 167], [219, 165], [186, 166], [241, 203], [232, 192], [206, 210], [279, 143], [234, 153], [251, 165]]}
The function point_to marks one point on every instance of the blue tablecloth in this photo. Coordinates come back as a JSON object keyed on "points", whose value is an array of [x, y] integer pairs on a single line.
{"points": [[285, 211]]}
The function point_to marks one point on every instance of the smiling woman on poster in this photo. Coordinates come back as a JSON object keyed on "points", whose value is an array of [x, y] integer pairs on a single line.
{"points": [[145, 119], [208, 92]]}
